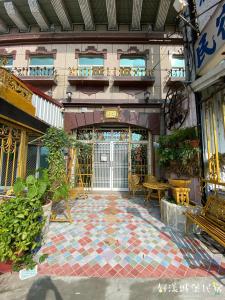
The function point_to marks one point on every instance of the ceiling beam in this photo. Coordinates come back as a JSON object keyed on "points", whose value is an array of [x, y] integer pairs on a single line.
{"points": [[62, 14], [111, 13], [136, 14], [38, 14], [3, 27], [163, 10], [86, 14], [15, 16]]}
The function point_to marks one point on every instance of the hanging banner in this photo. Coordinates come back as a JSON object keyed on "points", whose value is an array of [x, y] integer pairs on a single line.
{"points": [[211, 39]]}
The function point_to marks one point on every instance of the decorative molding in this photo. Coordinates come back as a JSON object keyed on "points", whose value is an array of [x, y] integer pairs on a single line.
{"points": [[90, 90], [91, 50], [41, 51], [150, 121], [4, 52], [131, 91], [152, 38], [133, 51]]}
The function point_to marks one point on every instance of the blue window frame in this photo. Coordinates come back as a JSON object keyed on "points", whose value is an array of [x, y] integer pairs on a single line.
{"points": [[178, 66], [91, 65], [132, 66], [41, 66]]}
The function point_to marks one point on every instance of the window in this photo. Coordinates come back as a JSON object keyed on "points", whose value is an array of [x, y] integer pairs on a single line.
{"points": [[8, 62], [178, 66], [91, 65], [41, 66], [132, 66]]}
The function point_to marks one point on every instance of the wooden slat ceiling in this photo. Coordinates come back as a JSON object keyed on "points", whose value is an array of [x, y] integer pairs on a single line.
{"points": [[134, 13]]}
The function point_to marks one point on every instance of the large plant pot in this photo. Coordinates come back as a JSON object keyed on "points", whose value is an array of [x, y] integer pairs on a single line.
{"points": [[47, 208], [5, 267], [184, 183]]}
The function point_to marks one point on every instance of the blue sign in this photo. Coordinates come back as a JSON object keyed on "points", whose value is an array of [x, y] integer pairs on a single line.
{"points": [[212, 38]]}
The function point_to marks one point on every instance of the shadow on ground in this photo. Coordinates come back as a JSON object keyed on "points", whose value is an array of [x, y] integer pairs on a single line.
{"points": [[193, 253]]}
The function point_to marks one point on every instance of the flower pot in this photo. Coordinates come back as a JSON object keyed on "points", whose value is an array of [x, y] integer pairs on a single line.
{"points": [[47, 213], [5, 267], [184, 183]]}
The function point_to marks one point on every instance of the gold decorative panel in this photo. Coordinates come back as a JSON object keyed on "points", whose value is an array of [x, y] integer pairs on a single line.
{"points": [[15, 92]]}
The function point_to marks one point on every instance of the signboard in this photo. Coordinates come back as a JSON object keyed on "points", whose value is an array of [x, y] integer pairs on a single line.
{"points": [[205, 9], [211, 39], [104, 158], [111, 114]]}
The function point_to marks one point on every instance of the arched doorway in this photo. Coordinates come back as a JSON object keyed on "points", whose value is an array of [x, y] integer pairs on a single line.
{"points": [[114, 152]]}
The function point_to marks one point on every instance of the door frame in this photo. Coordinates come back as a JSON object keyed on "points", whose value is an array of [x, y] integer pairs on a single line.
{"points": [[111, 147]]}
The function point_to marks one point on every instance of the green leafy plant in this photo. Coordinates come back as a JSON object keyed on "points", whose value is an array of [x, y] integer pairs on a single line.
{"points": [[22, 222], [56, 140], [177, 155]]}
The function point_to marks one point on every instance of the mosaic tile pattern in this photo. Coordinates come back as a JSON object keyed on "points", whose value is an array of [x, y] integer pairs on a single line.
{"points": [[116, 236]]}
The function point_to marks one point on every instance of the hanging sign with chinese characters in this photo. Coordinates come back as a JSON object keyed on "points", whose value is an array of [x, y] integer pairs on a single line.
{"points": [[211, 39], [205, 9]]}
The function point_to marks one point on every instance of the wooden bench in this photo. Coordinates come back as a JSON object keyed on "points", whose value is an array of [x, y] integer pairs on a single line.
{"points": [[211, 219]]}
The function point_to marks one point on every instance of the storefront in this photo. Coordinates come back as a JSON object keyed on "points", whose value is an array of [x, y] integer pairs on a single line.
{"points": [[117, 146], [210, 95], [18, 127]]}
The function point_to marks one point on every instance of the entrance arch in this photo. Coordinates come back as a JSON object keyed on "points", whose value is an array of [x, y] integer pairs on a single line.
{"points": [[117, 149]]}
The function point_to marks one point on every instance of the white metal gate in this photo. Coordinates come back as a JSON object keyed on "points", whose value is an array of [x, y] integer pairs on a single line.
{"points": [[110, 166]]}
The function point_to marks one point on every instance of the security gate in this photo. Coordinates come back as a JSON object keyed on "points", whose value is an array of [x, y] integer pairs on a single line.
{"points": [[110, 166]]}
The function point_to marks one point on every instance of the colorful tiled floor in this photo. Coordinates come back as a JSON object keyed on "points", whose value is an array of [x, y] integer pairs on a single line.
{"points": [[117, 236]]}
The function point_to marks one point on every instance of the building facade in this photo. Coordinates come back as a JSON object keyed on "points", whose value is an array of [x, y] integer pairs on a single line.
{"points": [[111, 65]]}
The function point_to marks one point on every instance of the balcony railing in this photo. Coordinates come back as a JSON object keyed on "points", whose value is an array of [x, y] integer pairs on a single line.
{"points": [[177, 73], [102, 71], [34, 71], [15, 92]]}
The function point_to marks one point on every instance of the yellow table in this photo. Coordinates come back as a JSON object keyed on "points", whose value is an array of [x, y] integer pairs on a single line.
{"points": [[160, 187]]}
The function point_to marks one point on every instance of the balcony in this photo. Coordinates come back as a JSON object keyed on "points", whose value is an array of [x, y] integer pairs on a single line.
{"points": [[99, 76], [37, 75], [94, 76], [176, 75], [13, 91], [135, 77]]}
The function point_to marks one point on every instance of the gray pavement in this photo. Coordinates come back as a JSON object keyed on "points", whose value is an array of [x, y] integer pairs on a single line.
{"points": [[75, 288]]}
